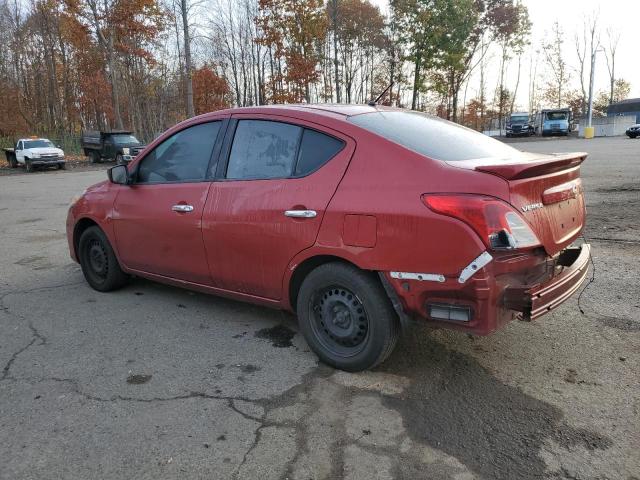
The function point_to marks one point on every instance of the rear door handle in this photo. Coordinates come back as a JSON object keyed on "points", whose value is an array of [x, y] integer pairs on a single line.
{"points": [[181, 208], [300, 213]]}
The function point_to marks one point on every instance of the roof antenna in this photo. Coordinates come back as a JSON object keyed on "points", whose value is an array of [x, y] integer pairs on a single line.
{"points": [[373, 103]]}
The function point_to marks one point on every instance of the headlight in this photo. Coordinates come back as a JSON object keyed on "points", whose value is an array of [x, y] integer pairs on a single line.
{"points": [[125, 150]]}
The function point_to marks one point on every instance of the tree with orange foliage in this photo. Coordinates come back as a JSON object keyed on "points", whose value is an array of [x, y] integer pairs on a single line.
{"points": [[294, 31], [210, 91]]}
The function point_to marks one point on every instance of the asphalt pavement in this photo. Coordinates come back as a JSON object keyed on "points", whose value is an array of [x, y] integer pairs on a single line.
{"points": [[157, 382]]}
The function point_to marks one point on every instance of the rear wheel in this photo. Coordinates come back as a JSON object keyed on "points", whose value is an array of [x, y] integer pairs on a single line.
{"points": [[98, 261], [13, 163], [346, 317]]}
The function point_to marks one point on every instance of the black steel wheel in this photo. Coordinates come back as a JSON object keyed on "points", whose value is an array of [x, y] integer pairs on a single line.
{"points": [[346, 317], [98, 261], [339, 320]]}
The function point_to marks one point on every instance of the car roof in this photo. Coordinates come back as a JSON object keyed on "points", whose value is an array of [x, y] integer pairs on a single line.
{"points": [[323, 109]]}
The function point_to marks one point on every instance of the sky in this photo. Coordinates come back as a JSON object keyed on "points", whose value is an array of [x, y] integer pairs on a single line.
{"points": [[620, 16]]}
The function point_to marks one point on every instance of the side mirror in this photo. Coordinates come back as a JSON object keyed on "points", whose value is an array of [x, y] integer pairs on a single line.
{"points": [[58, 146], [119, 175]]}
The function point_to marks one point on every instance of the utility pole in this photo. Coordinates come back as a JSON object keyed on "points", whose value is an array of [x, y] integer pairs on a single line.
{"points": [[591, 77]]}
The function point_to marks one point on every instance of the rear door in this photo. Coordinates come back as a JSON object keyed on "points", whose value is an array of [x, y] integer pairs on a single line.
{"points": [[157, 220], [276, 180]]}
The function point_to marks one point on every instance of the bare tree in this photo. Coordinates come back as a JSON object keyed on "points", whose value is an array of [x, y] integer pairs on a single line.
{"points": [[610, 56], [188, 66]]}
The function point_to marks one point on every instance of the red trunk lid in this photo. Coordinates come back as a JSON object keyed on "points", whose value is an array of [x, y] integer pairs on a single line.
{"points": [[546, 190]]}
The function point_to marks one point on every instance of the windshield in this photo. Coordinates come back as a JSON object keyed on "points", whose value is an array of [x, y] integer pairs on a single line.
{"points": [[124, 139], [556, 116], [41, 143], [432, 136], [523, 119]]}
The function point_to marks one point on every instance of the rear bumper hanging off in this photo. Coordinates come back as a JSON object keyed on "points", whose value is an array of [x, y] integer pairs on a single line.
{"points": [[535, 301]]}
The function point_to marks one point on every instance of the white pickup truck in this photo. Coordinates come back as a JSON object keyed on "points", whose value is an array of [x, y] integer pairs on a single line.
{"points": [[35, 152]]}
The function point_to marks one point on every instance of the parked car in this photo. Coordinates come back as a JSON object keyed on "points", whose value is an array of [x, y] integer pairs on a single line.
{"points": [[361, 219], [34, 152], [118, 145], [633, 131]]}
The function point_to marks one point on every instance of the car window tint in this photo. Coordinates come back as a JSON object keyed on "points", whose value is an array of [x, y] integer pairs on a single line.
{"points": [[263, 149], [182, 157], [316, 149], [433, 137]]}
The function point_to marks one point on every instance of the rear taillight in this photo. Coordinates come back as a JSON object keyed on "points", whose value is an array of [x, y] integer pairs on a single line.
{"points": [[497, 223]]}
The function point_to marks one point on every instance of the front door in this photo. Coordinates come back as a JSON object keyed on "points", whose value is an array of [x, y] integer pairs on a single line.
{"points": [[267, 205], [157, 219]]}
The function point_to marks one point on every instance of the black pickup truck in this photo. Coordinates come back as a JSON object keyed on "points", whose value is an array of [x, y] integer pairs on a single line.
{"points": [[118, 145]]}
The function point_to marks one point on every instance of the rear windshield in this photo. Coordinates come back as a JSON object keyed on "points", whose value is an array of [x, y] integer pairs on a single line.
{"points": [[432, 136]]}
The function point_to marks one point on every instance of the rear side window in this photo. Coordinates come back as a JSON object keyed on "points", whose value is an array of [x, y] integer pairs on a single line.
{"points": [[263, 149], [182, 157], [316, 149], [432, 136]]}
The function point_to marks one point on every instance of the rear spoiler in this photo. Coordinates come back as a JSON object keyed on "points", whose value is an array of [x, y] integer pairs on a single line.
{"points": [[530, 165]]}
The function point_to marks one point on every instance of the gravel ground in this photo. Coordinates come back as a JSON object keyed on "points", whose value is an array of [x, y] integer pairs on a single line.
{"points": [[157, 382]]}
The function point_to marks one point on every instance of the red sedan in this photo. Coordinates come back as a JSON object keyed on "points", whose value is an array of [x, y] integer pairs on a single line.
{"points": [[360, 219]]}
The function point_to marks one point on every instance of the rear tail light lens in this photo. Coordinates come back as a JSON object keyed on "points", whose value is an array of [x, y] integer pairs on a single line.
{"points": [[497, 223]]}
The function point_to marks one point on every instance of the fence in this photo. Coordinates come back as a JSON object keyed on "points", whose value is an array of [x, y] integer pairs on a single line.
{"points": [[608, 126]]}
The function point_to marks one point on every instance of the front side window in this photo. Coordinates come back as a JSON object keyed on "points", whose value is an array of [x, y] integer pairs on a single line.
{"points": [[183, 157], [263, 149]]}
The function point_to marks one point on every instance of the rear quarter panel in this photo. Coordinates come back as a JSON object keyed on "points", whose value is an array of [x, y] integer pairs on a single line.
{"points": [[386, 181]]}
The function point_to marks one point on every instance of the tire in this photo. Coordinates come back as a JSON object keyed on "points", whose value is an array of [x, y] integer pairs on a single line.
{"points": [[119, 160], [346, 317], [95, 157], [62, 166], [98, 261], [28, 166], [13, 163]]}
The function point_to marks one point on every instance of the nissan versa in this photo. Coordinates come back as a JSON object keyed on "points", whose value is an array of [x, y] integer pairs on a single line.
{"points": [[360, 219]]}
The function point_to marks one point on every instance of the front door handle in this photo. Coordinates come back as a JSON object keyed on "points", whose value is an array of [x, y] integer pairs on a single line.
{"points": [[181, 208], [300, 213]]}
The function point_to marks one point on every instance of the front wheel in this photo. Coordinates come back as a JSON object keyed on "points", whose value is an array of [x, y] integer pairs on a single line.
{"points": [[119, 160], [346, 317], [95, 157], [28, 165], [98, 261]]}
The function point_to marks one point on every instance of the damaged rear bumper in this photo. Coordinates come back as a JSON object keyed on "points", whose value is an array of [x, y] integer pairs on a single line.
{"points": [[523, 285], [535, 301]]}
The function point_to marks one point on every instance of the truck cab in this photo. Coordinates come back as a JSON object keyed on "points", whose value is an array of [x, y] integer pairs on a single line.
{"points": [[519, 125], [556, 121], [35, 152]]}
